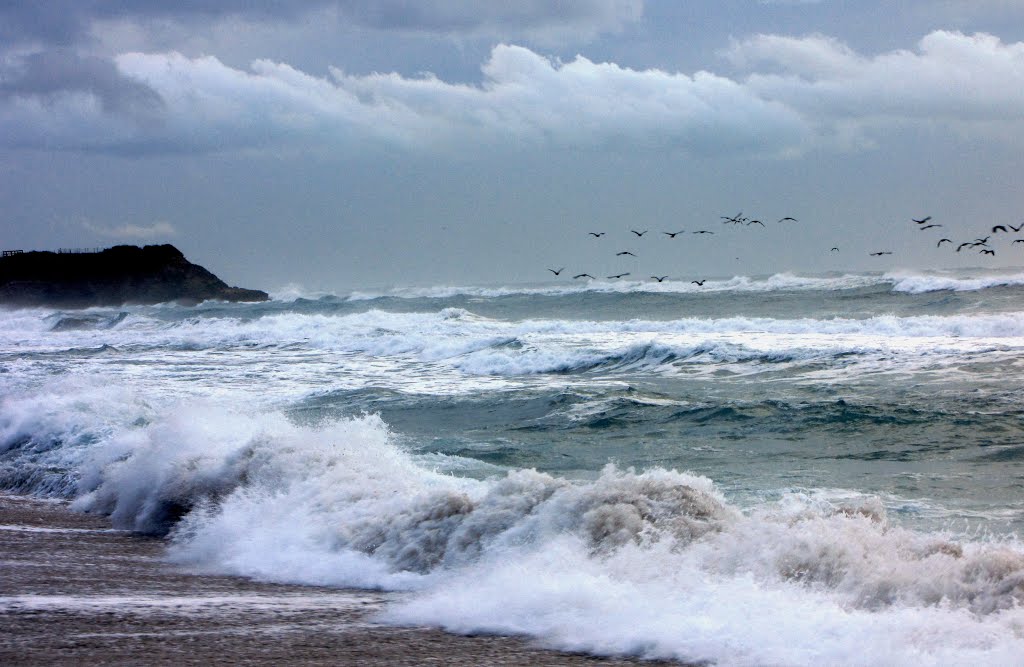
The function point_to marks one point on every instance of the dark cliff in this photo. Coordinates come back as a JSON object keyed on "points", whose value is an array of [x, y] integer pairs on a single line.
{"points": [[115, 276]]}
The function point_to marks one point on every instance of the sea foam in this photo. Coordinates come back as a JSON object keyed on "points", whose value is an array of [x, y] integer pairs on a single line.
{"points": [[655, 563]]}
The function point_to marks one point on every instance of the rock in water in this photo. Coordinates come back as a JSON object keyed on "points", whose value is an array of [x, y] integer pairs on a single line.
{"points": [[119, 275]]}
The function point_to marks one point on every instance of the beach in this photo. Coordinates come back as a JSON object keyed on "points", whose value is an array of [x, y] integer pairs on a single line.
{"points": [[74, 591]]}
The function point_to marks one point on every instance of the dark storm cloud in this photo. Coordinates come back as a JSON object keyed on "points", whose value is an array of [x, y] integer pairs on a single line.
{"points": [[52, 73], [65, 22], [446, 16]]}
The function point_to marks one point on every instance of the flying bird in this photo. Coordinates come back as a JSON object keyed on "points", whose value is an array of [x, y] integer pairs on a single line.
{"points": [[835, 250], [703, 231], [621, 275], [877, 254], [558, 272], [930, 226], [736, 219], [966, 243], [1016, 229], [755, 222], [625, 252], [672, 235], [999, 228], [941, 241], [638, 233], [922, 220], [662, 278], [583, 275], [1018, 241], [596, 235], [788, 219], [699, 283], [988, 252]]}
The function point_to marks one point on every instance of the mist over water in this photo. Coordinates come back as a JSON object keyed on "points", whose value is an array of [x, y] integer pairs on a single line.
{"points": [[781, 470]]}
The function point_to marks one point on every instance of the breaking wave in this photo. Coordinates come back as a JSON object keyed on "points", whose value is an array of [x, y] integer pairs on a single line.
{"points": [[919, 284], [655, 563]]}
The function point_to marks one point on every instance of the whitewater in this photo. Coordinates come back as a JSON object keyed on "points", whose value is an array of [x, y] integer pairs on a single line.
{"points": [[788, 469]]}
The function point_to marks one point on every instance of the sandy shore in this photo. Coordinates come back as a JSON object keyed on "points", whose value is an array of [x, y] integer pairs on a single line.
{"points": [[73, 591]]}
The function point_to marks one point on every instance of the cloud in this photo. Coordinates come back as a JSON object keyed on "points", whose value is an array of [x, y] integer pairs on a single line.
{"points": [[950, 78], [129, 232], [797, 91], [524, 100], [65, 22], [52, 73], [536, 18]]}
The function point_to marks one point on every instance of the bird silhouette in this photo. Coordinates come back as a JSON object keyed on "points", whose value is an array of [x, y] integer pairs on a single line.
{"points": [[941, 241], [988, 252], [703, 231], [638, 233], [1016, 229], [672, 235], [788, 219], [736, 219], [966, 243], [877, 254], [834, 250], [662, 278], [621, 275], [596, 235], [928, 227], [699, 283], [625, 252], [755, 222], [922, 220], [1018, 241], [999, 228], [583, 275], [558, 272]]}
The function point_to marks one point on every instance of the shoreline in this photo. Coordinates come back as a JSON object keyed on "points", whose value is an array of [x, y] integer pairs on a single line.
{"points": [[73, 590]]}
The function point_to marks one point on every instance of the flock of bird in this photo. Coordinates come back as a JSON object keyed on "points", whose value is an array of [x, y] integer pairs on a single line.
{"points": [[738, 219], [980, 242], [923, 224]]}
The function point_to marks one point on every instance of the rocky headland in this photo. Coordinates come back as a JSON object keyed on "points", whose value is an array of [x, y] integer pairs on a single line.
{"points": [[116, 276]]}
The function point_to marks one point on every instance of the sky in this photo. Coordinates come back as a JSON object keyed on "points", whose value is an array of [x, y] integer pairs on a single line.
{"points": [[347, 144]]}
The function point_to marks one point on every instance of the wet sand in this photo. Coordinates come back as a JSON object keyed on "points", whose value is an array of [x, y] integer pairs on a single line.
{"points": [[73, 591]]}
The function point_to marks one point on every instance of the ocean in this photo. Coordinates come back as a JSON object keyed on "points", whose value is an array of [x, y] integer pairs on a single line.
{"points": [[785, 470]]}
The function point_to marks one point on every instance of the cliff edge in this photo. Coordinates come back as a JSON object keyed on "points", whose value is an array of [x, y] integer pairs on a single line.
{"points": [[113, 277]]}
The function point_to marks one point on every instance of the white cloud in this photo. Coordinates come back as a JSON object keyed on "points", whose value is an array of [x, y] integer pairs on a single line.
{"points": [[524, 100], [798, 90], [951, 77], [130, 232]]}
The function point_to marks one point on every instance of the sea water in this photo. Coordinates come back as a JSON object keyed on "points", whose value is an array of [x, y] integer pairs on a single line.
{"points": [[793, 470]]}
